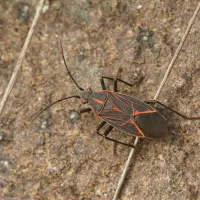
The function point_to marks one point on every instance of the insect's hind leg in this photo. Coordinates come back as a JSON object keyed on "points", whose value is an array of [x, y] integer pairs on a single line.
{"points": [[180, 114], [115, 82], [107, 131]]}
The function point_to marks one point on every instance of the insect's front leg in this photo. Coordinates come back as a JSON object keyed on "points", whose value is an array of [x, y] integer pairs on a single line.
{"points": [[103, 86], [115, 82], [103, 83]]}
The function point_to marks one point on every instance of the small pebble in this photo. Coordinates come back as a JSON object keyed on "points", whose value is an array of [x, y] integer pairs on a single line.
{"points": [[139, 7], [145, 38], [73, 116], [44, 124], [3, 136], [4, 162], [23, 12]]}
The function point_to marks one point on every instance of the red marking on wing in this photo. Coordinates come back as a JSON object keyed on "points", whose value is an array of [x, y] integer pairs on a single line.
{"points": [[103, 91], [113, 118], [110, 110], [129, 102], [133, 122], [135, 113], [98, 101], [121, 111], [117, 109], [124, 125], [126, 101]]}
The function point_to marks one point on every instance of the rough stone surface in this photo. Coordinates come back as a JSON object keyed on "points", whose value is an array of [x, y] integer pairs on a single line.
{"points": [[59, 156]]}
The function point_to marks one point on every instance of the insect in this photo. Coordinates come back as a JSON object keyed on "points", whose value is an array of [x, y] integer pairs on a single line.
{"points": [[123, 112]]}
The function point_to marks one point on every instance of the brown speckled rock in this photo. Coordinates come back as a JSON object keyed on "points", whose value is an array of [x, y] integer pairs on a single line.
{"points": [[59, 155]]}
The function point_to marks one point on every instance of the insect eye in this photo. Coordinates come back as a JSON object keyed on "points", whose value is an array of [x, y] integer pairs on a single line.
{"points": [[89, 90], [84, 101]]}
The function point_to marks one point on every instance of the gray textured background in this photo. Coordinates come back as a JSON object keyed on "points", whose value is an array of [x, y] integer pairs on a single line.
{"points": [[59, 156]]}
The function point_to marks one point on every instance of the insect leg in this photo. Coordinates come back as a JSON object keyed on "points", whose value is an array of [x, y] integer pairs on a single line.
{"points": [[107, 131], [115, 82], [103, 123], [103, 83], [180, 114], [112, 79], [85, 110], [115, 85], [103, 86]]}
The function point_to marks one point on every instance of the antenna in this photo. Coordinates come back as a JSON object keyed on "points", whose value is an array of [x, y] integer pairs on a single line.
{"points": [[63, 99], [80, 88]]}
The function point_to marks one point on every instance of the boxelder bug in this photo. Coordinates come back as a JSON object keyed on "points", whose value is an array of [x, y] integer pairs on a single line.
{"points": [[125, 113]]}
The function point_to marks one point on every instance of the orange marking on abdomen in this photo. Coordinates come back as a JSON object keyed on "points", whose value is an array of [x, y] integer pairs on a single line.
{"points": [[98, 101]]}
